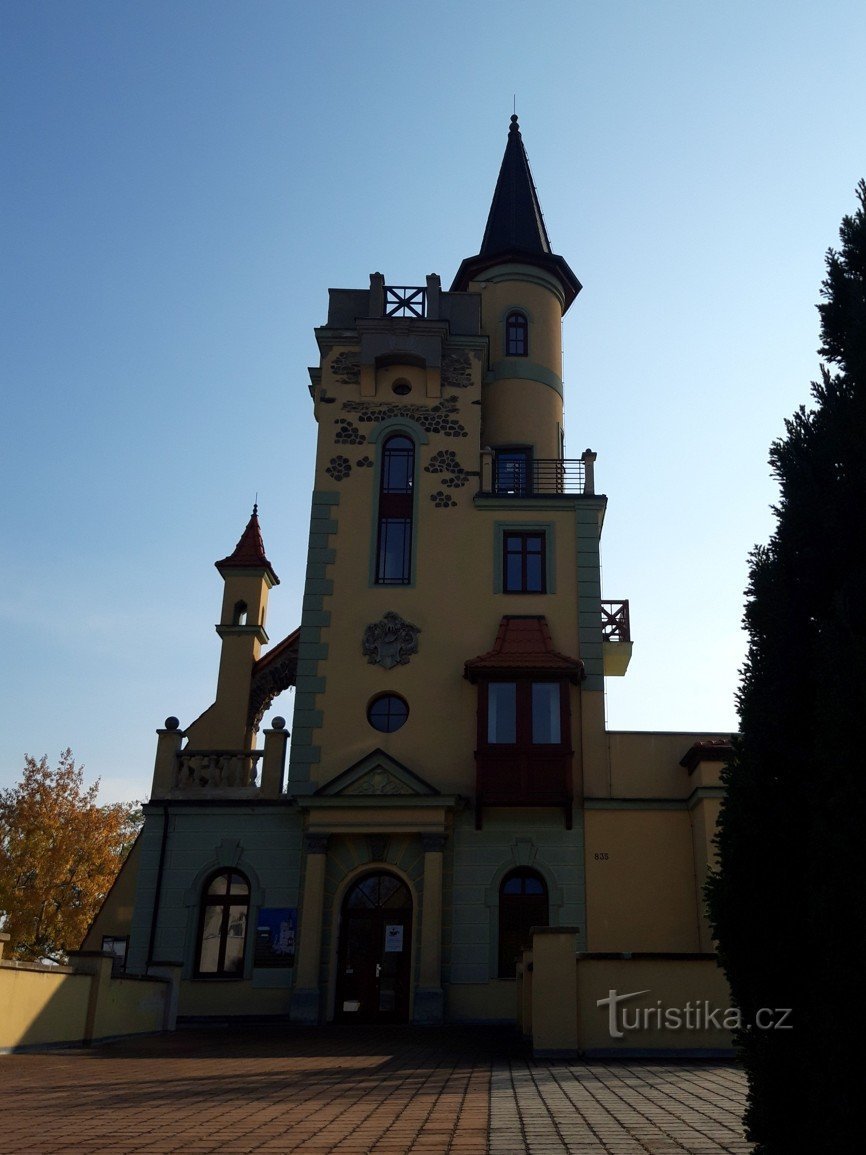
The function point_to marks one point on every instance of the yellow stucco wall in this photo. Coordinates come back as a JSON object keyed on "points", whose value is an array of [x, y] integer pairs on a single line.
{"points": [[41, 1006], [642, 896]]}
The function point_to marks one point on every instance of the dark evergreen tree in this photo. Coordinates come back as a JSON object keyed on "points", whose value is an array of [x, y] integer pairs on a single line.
{"points": [[787, 903]]}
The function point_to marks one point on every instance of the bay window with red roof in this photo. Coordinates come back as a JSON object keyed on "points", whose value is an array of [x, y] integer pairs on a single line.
{"points": [[523, 755]]}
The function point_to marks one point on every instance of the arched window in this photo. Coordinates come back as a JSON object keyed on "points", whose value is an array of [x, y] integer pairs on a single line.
{"points": [[239, 616], [522, 905], [222, 932], [394, 539], [516, 335]]}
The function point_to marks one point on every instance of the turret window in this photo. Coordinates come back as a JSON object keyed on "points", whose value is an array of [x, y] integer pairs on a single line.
{"points": [[394, 539], [516, 335]]}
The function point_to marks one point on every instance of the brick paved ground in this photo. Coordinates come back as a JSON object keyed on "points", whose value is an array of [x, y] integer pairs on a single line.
{"points": [[354, 1091]]}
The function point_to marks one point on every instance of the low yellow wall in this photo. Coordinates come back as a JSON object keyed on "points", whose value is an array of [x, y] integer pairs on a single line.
{"points": [[41, 1005], [676, 1004], [615, 1004], [57, 1006], [481, 1002]]}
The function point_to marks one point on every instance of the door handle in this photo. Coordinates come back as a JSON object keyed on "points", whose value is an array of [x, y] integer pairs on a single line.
{"points": [[378, 969]]}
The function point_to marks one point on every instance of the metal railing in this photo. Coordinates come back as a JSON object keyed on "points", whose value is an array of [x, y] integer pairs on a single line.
{"points": [[216, 769], [615, 625], [405, 301], [538, 477]]}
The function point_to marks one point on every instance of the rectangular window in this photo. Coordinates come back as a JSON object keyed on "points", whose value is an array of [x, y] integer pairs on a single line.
{"points": [[523, 568], [502, 713], [118, 948], [545, 714], [394, 559]]}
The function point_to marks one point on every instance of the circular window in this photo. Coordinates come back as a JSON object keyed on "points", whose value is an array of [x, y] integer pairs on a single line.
{"points": [[401, 388], [387, 713]]}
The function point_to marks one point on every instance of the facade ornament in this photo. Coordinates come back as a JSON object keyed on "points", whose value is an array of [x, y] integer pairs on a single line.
{"points": [[390, 642], [378, 782]]}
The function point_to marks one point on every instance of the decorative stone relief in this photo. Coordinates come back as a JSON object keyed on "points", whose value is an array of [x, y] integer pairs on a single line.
{"points": [[378, 782], [347, 433], [390, 642], [442, 500], [456, 371], [346, 368], [364, 462], [339, 469], [445, 461], [432, 418]]}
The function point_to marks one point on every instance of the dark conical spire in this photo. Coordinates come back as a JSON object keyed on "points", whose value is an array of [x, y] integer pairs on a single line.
{"points": [[249, 553], [515, 221], [515, 231]]}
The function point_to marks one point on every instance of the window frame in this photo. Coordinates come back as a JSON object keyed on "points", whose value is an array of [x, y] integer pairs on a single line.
{"points": [[514, 454], [395, 508], [226, 902], [516, 333], [515, 904], [389, 696], [524, 714], [524, 536]]}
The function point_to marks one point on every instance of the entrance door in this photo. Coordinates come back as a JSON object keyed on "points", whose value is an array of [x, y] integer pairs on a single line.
{"points": [[375, 950]]}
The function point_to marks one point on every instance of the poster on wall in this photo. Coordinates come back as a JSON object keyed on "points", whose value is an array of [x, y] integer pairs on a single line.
{"points": [[276, 930], [393, 939]]}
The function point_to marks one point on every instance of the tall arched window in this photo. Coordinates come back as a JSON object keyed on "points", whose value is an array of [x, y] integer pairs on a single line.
{"points": [[222, 935], [522, 905], [394, 540], [516, 335]]}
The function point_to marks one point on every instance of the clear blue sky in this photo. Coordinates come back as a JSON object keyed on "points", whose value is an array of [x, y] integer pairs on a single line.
{"points": [[183, 181]]}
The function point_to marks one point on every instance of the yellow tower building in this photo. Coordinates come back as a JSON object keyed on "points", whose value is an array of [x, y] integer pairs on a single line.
{"points": [[451, 782]]}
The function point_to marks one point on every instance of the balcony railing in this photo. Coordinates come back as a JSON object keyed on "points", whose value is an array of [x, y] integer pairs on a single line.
{"points": [[614, 622], [539, 477], [405, 301], [216, 769]]}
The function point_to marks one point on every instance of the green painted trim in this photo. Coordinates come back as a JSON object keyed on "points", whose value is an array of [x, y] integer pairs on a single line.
{"points": [[522, 369], [548, 528], [529, 274], [311, 649], [516, 307], [380, 801], [635, 804], [398, 425], [702, 792], [588, 565]]}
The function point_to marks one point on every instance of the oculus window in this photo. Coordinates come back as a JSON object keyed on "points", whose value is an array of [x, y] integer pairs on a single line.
{"points": [[387, 713]]}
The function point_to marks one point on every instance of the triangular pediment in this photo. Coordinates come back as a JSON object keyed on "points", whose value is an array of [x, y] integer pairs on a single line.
{"points": [[377, 773]]}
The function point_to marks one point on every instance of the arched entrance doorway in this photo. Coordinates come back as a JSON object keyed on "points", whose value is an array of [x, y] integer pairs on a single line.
{"points": [[375, 951]]}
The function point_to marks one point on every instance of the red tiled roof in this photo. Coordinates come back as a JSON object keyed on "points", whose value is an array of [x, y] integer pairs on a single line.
{"points": [[524, 644], [249, 553], [707, 750]]}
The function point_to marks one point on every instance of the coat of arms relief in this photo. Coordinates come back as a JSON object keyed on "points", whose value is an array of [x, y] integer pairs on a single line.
{"points": [[390, 642]]}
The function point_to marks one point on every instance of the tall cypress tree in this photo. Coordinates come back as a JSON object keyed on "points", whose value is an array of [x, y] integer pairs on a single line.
{"points": [[787, 903]]}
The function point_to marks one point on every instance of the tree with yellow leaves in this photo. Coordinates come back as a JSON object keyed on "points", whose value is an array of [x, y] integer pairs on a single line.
{"points": [[60, 851]]}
